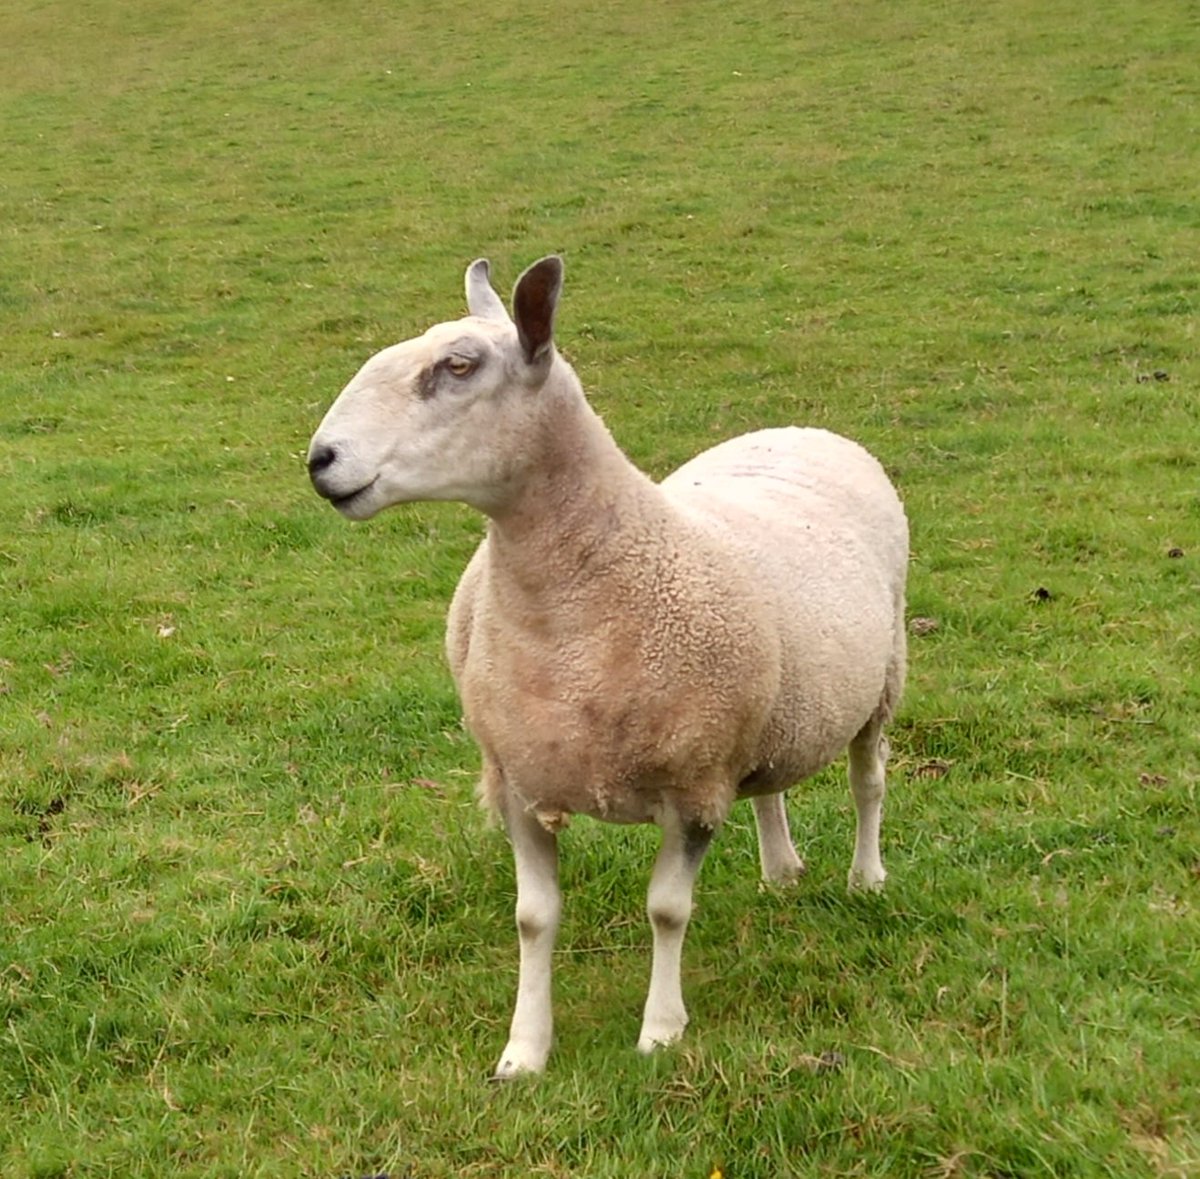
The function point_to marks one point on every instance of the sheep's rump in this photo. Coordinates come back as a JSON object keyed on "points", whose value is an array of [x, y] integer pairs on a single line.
{"points": [[813, 520]]}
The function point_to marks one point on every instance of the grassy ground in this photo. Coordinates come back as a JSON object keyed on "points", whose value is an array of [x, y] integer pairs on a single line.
{"points": [[251, 923]]}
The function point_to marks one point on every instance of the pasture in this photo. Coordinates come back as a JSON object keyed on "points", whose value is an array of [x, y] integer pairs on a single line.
{"points": [[252, 922]]}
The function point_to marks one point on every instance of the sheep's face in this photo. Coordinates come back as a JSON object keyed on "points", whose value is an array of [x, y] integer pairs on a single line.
{"points": [[445, 416], [437, 417]]}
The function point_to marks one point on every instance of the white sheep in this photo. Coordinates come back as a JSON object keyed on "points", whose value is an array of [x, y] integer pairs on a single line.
{"points": [[633, 651]]}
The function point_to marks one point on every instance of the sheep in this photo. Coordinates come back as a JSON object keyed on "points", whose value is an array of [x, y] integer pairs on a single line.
{"points": [[624, 649]]}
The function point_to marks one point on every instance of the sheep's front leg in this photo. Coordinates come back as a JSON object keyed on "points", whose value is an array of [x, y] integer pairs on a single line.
{"points": [[868, 762], [776, 852], [669, 904], [539, 904]]}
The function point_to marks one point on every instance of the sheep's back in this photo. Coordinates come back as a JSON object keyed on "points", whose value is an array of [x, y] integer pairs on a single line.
{"points": [[813, 492]]}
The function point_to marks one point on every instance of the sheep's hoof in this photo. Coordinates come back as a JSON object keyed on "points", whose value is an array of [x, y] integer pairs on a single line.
{"points": [[786, 875], [861, 881], [647, 1046], [506, 1070], [650, 1041], [519, 1062]]}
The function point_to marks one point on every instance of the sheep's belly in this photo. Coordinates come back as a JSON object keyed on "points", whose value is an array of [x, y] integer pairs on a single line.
{"points": [[585, 782], [579, 783], [627, 768], [575, 786], [554, 808]]}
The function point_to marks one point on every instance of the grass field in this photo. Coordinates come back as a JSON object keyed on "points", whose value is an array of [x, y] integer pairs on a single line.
{"points": [[251, 921]]}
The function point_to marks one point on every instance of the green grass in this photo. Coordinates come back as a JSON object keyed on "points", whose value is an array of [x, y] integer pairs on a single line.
{"points": [[251, 922]]}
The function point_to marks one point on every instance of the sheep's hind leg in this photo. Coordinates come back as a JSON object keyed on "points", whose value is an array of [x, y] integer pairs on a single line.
{"points": [[776, 852], [539, 905], [669, 905], [868, 760]]}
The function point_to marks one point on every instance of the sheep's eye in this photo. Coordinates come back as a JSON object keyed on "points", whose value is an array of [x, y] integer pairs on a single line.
{"points": [[460, 366]]}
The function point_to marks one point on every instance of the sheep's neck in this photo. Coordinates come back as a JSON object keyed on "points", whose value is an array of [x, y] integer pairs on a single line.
{"points": [[572, 517]]}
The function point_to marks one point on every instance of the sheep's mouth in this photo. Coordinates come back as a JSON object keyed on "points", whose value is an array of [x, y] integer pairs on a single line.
{"points": [[345, 503]]}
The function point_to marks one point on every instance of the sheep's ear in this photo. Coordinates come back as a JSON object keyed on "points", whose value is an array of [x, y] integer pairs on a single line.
{"points": [[535, 299], [481, 299]]}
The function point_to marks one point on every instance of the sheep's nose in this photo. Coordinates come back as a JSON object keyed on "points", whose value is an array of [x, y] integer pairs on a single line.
{"points": [[320, 458]]}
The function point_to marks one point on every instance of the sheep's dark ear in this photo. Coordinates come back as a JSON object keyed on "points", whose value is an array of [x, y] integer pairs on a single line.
{"points": [[481, 299], [535, 299]]}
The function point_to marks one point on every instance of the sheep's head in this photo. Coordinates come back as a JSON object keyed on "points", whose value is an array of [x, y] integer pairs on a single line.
{"points": [[443, 416]]}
